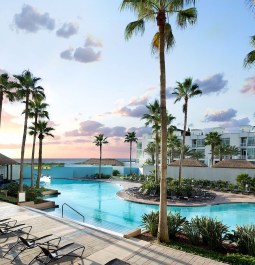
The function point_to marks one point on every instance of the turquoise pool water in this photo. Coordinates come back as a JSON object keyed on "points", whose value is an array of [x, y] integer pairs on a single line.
{"points": [[100, 205]]}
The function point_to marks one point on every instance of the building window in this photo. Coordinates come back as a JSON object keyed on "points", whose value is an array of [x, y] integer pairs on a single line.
{"points": [[226, 141], [139, 145], [251, 141], [250, 153], [200, 142]]}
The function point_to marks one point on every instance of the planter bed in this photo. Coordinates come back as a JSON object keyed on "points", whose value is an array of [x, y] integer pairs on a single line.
{"points": [[43, 204]]}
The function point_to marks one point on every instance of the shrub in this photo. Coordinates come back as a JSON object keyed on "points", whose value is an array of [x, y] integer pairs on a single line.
{"points": [[243, 179], [115, 172], [246, 239], [212, 231], [12, 189], [175, 223], [238, 259], [32, 194], [191, 230], [150, 222]]}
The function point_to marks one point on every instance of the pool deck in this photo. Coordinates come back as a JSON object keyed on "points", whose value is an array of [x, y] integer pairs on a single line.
{"points": [[100, 247], [221, 197]]}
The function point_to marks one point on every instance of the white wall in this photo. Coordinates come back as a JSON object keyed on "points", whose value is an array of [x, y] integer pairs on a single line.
{"points": [[226, 174]]}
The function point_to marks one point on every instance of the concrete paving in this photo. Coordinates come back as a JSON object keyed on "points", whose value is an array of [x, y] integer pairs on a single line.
{"points": [[100, 248]]}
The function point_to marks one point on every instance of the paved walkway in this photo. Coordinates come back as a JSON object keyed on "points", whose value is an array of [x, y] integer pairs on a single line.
{"points": [[100, 247]]}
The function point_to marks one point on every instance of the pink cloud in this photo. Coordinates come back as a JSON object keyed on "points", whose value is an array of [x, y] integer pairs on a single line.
{"points": [[249, 87]]}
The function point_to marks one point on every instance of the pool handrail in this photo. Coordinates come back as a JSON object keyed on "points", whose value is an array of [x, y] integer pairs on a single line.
{"points": [[72, 209]]}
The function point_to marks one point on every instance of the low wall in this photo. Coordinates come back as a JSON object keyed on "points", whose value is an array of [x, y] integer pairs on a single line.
{"points": [[226, 174]]}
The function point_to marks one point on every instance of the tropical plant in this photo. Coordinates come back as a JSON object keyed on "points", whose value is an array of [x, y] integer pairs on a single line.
{"points": [[213, 139], [246, 239], [197, 155], [99, 141], [175, 223], [233, 150], [160, 12], [249, 60], [151, 149], [185, 90], [153, 118], [130, 138], [26, 88], [191, 230], [243, 179], [221, 150], [150, 222], [36, 109], [41, 129], [5, 90], [173, 144]]}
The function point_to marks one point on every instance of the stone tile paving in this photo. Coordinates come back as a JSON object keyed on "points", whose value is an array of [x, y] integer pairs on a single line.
{"points": [[100, 247]]}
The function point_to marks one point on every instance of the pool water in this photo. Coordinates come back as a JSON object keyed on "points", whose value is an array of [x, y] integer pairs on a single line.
{"points": [[100, 205]]}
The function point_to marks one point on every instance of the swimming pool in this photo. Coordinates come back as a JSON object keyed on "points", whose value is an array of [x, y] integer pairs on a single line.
{"points": [[100, 205]]}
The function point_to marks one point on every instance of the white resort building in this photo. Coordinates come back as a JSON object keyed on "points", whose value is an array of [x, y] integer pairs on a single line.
{"points": [[244, 140]]}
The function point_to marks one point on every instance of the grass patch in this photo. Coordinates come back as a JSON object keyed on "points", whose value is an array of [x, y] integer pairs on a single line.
{"points": [[235, 259]]}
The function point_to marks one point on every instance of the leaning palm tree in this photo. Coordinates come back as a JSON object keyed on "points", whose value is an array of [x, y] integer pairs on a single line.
{"points": [[6, 87], [26, 89], [36, 109], [213, 139], [99, 141], [159, 11], [153, 118], [185, 90], [151, 149], [41, 129], [250, 57], [130, 138]]}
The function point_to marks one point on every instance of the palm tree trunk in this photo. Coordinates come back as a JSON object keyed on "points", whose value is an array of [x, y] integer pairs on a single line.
{"points": [[1, 105], [183, 140], [130, 158], [100, 159], [39, 164], [212, 154], [33, 154], [23, 145], [157, 157], [162, 228]]}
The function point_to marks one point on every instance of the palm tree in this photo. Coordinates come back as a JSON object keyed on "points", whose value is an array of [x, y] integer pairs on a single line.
{"points": [[233, 151], [197, 155], [151, 149], [99, 141], [153, 119], [36, 109], [159, 11], [26, 88], [130, 138], [221, 150], [213, 139], [5, 90], [173, 143], [42, 129], [250, 57], [185, 90]]}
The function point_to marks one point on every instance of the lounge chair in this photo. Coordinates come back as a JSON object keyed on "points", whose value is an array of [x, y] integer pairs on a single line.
{"points": [[16, 229], [30, 243], [8, 222], [46, 255]]}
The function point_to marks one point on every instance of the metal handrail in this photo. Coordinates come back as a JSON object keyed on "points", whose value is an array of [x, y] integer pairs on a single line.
{"points": [[72, 209]]}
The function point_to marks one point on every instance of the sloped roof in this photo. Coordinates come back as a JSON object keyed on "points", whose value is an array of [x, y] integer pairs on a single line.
{"points": [[4, 160], [234, 163], [188, 163], [105, 161]]}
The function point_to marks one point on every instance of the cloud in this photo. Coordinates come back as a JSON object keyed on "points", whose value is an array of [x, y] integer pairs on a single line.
{"points": [[220, 116], [86, 55], [67, 54], [169, 93], [234, 124], [136, 112], [249, 87], [90, 128], [67, 30], [143, 100], [92, 42], [31, 20], [214, 84]]}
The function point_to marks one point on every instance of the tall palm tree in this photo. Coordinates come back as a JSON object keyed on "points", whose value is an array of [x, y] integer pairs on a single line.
{"points": [[26, 89], [213, 139], [5, 90], [233, 151], [185, 90], [159, 11], [153, 118], [173, 143], [151, 149], [249, 60], [130, 138], [99, 141], [36, 109], [221, 150], [41, 129]]}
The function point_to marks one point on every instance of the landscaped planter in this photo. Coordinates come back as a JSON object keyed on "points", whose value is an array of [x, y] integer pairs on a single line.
{"points": [[50, 192], [44, 204]]}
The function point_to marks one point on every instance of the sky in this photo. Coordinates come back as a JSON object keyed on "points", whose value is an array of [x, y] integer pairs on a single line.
{"points": [[97, 82]]}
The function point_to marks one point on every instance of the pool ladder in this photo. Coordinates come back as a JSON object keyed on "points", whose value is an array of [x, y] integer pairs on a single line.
{"points": [[72, 209]]}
